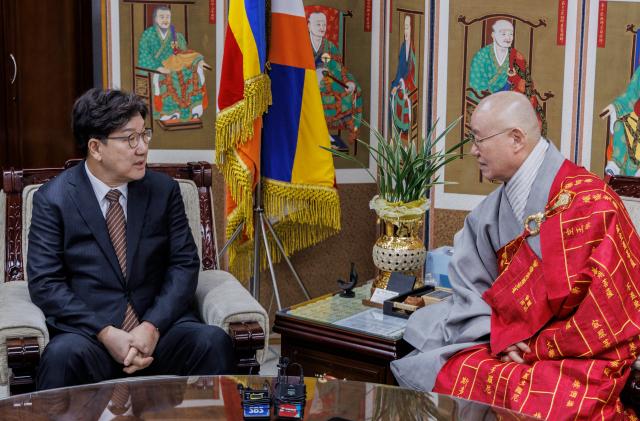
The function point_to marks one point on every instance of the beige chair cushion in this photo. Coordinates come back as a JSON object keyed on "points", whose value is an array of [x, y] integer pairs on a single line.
{"points": [[222, 300], [633, 207], [19, 317], [191, 201], [27, 211]]}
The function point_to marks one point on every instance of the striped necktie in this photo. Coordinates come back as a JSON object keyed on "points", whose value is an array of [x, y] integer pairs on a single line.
{"points": [[117, 226]]}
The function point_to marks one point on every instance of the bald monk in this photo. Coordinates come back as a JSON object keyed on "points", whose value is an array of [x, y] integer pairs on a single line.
{"points": [[544, 318]]}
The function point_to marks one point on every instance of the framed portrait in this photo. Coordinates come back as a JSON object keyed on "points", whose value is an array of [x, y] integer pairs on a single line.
{"points": [[484, 47], [165, 51], [341, 35], [405, 84], [610, 137]]}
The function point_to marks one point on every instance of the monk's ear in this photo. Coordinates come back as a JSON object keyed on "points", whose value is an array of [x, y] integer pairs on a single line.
{"points": [[519, 138]]}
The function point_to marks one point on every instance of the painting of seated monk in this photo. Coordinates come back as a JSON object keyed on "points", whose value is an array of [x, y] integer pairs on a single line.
{"points": [[499, 66], [177, 73], [492, 46], [341, 93]]}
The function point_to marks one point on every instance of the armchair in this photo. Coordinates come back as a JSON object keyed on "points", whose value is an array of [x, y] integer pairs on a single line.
{"points": [[221, 299], [628, 188]]}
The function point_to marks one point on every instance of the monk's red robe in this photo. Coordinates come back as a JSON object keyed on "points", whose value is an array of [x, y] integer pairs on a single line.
{"points": [[578, 309]]}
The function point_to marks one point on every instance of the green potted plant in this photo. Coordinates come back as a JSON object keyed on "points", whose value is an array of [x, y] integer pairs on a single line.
{"points": [[406, 172]]}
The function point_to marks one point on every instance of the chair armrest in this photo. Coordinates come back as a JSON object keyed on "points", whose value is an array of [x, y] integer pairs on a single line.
{"points": [[223, 300], [19, 318]]}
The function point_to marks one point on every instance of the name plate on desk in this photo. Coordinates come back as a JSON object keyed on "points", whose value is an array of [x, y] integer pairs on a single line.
{"points": [[400, 282], [381, 295], [397, 306]]}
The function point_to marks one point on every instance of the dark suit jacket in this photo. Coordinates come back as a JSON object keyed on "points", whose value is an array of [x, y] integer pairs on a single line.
{"points": [[74, 275]]}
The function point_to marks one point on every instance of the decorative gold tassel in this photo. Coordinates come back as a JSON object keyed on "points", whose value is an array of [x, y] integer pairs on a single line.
{"points": [[302, 203], [234, 124], [239, 181], [305, 215]]}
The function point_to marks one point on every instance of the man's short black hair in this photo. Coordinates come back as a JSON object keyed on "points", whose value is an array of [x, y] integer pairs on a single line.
{"points": [[98, 113]]}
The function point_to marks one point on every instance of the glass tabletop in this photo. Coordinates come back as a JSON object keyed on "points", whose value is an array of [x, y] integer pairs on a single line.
{"points": [[349, 314], [218, 398]]}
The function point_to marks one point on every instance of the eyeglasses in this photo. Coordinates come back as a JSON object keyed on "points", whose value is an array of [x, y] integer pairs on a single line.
{"points": [[134, 138], [471, 138]]}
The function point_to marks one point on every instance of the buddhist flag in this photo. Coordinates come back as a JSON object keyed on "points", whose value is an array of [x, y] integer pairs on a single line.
{"points": [[298, 176], [244, 96]]}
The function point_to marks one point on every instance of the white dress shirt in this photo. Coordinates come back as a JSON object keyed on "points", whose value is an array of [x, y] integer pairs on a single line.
{"points": [[101, 189]]}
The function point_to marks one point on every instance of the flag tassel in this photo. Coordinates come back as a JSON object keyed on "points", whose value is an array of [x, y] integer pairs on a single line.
{"points": [[234, 124]]}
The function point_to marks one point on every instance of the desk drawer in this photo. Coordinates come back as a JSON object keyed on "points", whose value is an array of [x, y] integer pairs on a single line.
{"points": [[316, 362]]}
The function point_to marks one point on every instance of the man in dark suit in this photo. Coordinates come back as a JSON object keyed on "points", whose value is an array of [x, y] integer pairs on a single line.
{"points": [[112, 262]]}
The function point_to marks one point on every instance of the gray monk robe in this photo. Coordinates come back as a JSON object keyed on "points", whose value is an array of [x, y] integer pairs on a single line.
{"points": [[440, 330]]}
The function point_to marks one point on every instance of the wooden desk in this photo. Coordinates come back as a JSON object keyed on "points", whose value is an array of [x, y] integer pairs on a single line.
{"points": [[313, 337]]}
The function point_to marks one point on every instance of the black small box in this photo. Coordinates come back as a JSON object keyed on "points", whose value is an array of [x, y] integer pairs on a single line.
{"points": [[396, 307]]}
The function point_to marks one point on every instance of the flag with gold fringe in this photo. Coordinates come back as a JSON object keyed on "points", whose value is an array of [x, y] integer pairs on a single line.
{"points": [[299, 195], [298, 176], [243, 97]]}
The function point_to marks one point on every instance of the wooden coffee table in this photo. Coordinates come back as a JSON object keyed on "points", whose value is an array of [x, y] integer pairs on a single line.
{"points": [[341, 337]]}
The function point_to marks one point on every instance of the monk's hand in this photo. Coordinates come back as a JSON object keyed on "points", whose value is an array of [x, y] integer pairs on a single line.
{"points": [[163, 70], [117, 342], [135, 361], [145, 338], [514, 353]]}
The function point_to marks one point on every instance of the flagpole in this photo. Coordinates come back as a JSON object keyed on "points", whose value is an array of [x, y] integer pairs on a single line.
{"points": [[258, 211], [226, 245], [260, 225], [286, 259]]}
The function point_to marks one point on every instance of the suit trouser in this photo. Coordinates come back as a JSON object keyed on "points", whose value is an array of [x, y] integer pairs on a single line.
{"points": [[187, 348]]}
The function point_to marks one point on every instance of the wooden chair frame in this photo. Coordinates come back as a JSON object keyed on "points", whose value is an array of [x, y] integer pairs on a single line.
{"points": [[624, 185]]}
